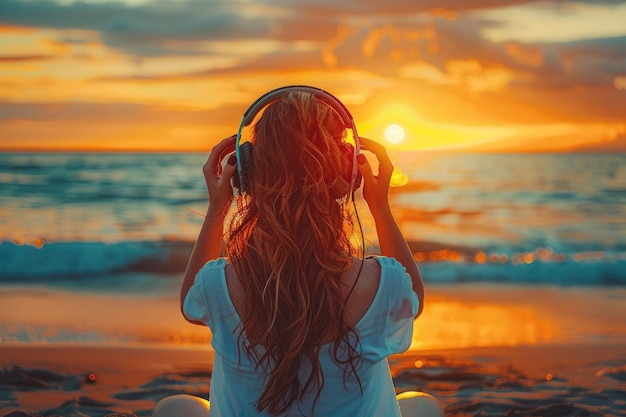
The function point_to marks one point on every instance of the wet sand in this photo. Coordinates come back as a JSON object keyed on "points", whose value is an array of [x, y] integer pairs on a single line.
{"points": [[482, 350], [542, 380]]}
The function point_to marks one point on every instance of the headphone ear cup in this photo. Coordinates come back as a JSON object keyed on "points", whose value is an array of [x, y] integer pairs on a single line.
{"points": [[347, 151], [246, 166]]}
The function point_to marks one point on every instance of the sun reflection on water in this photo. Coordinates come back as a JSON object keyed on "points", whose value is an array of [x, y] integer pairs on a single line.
{"points": [[482, 257], [451, 324]]}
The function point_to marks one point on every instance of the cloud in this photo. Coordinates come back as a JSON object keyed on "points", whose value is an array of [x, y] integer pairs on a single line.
{"points": [[567, 80], [46, 14], [563, 80], [149, 29], [178, 34], [90, 125], [23, 58], [434, 53], [183, 28], [403, 7], [610, 143], [388, 43], [585, 63]]}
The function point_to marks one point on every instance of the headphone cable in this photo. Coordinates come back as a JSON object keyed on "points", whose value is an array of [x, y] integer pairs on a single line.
{"points": [[358, 220]]}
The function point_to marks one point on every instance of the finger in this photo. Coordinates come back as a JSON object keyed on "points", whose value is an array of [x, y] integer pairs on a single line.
{"points": [[365, 143], [385, 167], [229, 169], [228, 145], [366, 169], [224, 147]]}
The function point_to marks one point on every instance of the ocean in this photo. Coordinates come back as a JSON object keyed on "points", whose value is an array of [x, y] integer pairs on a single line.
{"points": [[124, 223]]}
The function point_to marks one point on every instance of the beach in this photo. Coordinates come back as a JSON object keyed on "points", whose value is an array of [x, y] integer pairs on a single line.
{"points": [[525, 311], [504, 145], [555, 380], [552, 365]]}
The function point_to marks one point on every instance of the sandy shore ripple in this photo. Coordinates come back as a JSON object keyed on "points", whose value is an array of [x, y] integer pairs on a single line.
{"points": [[548, 380]]}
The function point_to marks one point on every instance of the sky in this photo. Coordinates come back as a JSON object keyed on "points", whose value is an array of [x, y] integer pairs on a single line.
{"points": [[177, 75]]}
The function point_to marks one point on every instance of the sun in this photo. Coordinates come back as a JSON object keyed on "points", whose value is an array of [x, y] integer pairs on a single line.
{"points": [[394, 133]]}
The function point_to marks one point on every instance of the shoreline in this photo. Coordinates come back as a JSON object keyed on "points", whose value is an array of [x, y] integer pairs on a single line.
{"points": [[459, 315]]}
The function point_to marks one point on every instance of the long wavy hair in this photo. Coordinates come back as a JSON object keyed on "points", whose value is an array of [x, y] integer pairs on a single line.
{"points": [[290, 244]]}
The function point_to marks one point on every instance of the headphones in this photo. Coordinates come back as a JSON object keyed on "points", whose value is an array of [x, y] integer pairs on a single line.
{"points": [[243, 151]]}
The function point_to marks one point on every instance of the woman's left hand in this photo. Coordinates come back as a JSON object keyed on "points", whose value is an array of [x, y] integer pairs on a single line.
{"points": [[218, 178]]}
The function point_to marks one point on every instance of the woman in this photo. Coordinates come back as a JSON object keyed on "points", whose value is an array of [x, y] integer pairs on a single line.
{"points": [[301, 324]]}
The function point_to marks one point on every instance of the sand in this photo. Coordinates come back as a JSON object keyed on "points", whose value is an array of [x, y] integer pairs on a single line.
{"points": [[481, 350], [54, 379], [541, 380]]}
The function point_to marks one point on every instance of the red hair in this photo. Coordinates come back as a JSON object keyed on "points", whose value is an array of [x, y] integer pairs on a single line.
{"points": [[290, 245]]}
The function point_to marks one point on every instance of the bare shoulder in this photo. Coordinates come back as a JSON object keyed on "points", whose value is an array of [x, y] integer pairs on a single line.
{"points": [[234, 287], [365, 281], [361, 282], [369, 276]]}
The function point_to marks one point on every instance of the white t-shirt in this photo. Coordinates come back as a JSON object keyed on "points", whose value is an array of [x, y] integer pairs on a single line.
{"points": [[385, 328]]}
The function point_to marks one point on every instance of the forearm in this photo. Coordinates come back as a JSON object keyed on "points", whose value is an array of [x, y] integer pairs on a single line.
{"points": [[207, 247], [393, 244]]}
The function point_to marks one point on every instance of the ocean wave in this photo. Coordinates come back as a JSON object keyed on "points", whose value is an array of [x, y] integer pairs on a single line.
{"points": [[41, 262], [69, 263]]}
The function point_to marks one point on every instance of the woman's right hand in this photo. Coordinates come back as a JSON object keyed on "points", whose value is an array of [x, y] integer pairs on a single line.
{"points": [[375, 187], [218, 179]]}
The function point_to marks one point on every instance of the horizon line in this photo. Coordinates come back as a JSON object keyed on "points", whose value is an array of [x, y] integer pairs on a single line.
{"points": [[443, 151]]}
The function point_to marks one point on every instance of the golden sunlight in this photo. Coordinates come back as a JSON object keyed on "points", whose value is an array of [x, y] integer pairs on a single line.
{"points": [[394, 133], [396, 120]]}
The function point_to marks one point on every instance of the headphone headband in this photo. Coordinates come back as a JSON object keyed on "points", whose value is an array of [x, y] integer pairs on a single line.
{"points": [[277, 94]]}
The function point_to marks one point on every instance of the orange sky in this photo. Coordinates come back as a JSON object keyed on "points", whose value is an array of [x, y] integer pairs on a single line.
{"points": [[487, 75]]}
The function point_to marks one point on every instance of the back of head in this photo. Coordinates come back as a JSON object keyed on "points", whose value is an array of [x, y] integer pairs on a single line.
{"points": [[289, 244], [299, 148]]}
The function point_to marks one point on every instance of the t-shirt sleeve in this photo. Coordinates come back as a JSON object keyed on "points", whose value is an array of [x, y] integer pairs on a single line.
{"points": [[388, 325], [403, 306], [195, 306]]}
